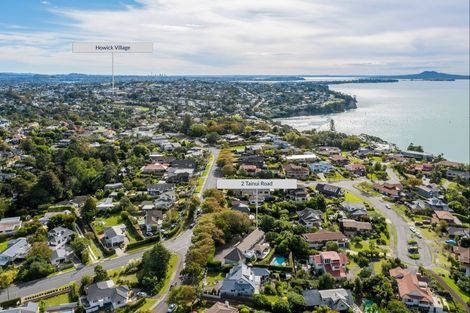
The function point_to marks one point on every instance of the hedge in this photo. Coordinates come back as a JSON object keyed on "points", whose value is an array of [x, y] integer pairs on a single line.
{"points": [[137, 244], [275, 267]]}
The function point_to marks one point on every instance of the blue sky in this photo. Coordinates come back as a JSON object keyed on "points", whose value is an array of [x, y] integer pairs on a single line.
{"points": [[238, 36]]}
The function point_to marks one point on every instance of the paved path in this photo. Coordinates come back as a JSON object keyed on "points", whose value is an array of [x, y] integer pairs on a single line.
{"points": [[392, 176]]}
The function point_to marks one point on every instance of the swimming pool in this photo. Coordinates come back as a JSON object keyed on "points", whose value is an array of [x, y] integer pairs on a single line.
{"points": [[278, 260]]}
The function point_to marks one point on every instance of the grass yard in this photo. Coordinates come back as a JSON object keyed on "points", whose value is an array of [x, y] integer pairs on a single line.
{"points": [[445, 275], [57, 300], [3, 245], [148, 304], [350, 197], [206, 169], [101, 222], [401, 210], [377, 267], [335, 176], [200, 183], [96, 251], [213, 277]]}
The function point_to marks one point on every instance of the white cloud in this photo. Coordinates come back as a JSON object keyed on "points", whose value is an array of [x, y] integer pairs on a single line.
{"points": [[255, 37]]}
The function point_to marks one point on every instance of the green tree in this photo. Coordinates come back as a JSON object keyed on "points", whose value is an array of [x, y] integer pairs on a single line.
{"points": [[281, 306], [183, 295], [187, 122], [88, 211], [326, 281], [212, 138], [154, 267], [100, 274], [296, 301]]}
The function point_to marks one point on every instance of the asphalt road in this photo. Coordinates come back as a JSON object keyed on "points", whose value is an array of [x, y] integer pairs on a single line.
{"points": [[402, 228], [161, 306], [177, 245]]}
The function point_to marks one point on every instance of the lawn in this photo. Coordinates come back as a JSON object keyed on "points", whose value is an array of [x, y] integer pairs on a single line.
{"points": [[148, 304], [117, 275], [206, 169], [377, 267], [445, 275], [57, 300], [200, 183], [3, 245], [101, 222], [335, 176], [213, 277], [95, 249], [401, 211], [350, 197]]}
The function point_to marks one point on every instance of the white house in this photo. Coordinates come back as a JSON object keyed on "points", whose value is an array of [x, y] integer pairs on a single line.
{"points": [[104, 294], [115, 235]]}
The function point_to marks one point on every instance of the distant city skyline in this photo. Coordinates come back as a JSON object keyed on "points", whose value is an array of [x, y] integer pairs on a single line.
{"points": [[227, 37]]}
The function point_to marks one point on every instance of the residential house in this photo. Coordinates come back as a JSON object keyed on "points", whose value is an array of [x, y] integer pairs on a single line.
{"points": [[184, 163], [9, 225], [161, 187], [115, 235], [155, 168], [28, 307], [429, 191], [356, 169], [179, 175], [241, 280], [414, 292], [352, 227], [241, 206], [295, 171], [16, 249], [105, 204], [320, 238], [160, 158], [166, 200], [463, 175], [355, 210], [463, 256], [298, 194], [248, 169], [461, 232], [418, 206], [59, 236], [321, 167], [115, 186], [256, 160], [104, 294], [252, 246], [417, 155], [329, 190], [47, 216], [310, 217], [328, 150], [219, 307], [57, 239], [153, 218], [302, 158], [338, 159], [437, 204], [330, 262], [388, 189], [446, 216], [340, 300]]}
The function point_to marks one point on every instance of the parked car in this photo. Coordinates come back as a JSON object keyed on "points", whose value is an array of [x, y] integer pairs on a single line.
{"points": [[142, 294], [171, 308], [388, 206]]}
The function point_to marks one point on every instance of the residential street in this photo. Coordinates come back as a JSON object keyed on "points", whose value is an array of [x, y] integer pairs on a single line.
{"points": [[402, 228], [177, 245]]}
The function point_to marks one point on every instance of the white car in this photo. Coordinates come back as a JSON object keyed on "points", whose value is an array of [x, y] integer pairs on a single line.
{"points": [[413, 229], [419, 235], [388, 206], [171, 308], [142, 294]]}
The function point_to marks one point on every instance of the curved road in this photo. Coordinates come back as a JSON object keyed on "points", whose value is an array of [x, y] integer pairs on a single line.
{"points": [[403, 232]]}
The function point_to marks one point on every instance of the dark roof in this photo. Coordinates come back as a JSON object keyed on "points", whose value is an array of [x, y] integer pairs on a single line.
{"points": [[185, 163]]}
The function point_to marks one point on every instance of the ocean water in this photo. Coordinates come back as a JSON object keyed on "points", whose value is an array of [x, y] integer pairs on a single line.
{"points": [[434, 114]]}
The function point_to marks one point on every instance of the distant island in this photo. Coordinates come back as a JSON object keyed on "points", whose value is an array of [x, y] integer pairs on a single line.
{"points": [[79, 77]]}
